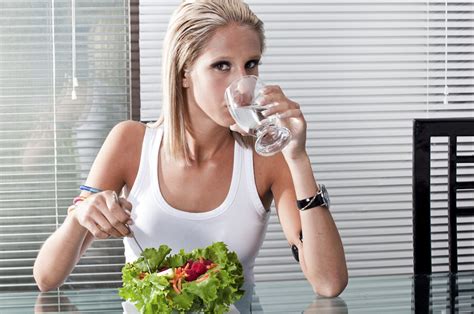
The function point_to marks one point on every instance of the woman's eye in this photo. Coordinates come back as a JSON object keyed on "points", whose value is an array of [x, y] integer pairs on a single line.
{"points": [[222, 66], [252, 64]]}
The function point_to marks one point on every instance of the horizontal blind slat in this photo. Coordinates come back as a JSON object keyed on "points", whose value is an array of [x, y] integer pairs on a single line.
{"points": [[48, 140], [361, 72]]}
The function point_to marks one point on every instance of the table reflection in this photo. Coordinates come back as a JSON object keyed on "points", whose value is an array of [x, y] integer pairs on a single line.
{"points": [[57, 302], [327, 305], [54, 302], [439, 293]]}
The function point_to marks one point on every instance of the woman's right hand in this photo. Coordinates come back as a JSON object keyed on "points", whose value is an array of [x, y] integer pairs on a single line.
{"points": [[105, 215]]}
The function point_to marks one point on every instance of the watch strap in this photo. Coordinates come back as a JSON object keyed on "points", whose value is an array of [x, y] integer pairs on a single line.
{"points": [[310, 202]]}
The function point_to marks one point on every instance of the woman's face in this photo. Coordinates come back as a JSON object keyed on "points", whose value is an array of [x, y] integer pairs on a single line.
{"points": [[232, 52]]}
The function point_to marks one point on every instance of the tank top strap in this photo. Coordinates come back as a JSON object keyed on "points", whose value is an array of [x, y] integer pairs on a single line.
{"points": [[151, 143], [154, 147], [249, 178]]}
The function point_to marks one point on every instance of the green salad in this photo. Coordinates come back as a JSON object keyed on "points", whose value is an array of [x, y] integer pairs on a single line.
{"points": [[205, 280]]}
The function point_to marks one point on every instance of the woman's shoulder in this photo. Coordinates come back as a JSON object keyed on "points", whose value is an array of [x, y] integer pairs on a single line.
{"points": [[127, 133], [128, 128], [118, 157], [127, 137]]}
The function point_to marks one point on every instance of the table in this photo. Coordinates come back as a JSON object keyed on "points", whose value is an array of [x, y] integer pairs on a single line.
{"points": [[374, 294]]}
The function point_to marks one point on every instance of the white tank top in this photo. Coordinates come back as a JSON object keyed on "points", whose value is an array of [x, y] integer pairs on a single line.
{"points": [[240, 221]]}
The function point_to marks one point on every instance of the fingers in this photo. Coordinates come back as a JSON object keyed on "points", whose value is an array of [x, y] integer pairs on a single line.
{"points": [[116, 216], [127, 207], [105, 215], [95, 229], [271, 94], [285, 109], [115, 197], [292, 113], [105, 225], [276, 102]]}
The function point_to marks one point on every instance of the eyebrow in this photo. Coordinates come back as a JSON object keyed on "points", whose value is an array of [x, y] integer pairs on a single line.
{"points": [[220, 58]]}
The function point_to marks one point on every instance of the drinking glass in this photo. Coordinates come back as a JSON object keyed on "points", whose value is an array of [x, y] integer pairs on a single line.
{"points": [[243, 100]]}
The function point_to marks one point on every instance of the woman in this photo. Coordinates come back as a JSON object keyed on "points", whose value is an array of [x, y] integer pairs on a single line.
{"points": [[191, 181]]}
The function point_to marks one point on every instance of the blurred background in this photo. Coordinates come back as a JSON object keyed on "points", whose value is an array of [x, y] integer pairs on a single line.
{"points": [[361, 70]]}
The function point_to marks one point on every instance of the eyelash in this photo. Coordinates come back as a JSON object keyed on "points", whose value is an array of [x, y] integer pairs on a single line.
{"points": [[256, 63], [220, 65]]}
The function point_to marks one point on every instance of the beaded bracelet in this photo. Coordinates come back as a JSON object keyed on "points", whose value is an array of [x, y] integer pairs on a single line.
{"points": [[81, 198], [89, 189], [78, 199]]}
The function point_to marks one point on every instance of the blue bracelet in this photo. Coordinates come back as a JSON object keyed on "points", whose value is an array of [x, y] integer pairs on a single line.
{"points": [[89, 189]]}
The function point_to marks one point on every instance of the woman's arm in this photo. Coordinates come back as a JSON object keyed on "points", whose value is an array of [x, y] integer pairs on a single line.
{"points": [[99, 216], [59, 254], [321, 253]]}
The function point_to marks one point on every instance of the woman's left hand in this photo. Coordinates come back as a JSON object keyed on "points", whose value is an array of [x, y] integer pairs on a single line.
{"points": [[289, 115]]}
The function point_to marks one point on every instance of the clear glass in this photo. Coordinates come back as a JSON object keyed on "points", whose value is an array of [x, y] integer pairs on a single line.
{"points": [[243, 100]]}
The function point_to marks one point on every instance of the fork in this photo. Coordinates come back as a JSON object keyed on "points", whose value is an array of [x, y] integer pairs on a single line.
{"points": [[132, 234], [141, 249]]}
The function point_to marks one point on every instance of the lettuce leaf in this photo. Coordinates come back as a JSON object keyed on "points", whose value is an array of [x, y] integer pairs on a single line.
{"points": [[153, 293]]}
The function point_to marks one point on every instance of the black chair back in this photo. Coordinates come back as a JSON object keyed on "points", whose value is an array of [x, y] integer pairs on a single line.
{"points": [[423, 131]]}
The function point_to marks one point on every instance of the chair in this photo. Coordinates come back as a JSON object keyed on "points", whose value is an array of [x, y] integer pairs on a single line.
{"points": [[423, 131]]}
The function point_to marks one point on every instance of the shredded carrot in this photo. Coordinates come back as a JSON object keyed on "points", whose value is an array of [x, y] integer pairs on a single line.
{"points": [[176, 282], [212, 265], [180, 273], [176, 288], [203, 277]]}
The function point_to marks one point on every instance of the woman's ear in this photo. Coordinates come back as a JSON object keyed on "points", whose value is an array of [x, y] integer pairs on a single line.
{"points": [[185, 83], [186, 78]]}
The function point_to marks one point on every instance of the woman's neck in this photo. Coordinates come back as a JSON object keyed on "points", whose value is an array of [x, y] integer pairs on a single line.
{"points": [[205, 144]]}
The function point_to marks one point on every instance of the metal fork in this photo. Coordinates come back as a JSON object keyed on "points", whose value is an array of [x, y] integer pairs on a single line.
{"points": [[132, 234], [141, 249]]}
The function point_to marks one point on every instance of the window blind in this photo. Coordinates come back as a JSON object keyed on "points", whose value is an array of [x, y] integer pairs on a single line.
{"points": [[361, 70], [451, 87], [64, 83]]}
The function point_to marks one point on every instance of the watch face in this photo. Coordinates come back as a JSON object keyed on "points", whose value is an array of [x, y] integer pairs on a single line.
{"points": [[325, 196]]}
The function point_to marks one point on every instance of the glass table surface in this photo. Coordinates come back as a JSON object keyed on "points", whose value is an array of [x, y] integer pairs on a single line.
{"points": [[438, 293]]}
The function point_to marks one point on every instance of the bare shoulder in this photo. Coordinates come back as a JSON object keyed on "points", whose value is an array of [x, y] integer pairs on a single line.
{"points": [[126, 140], [119, 157], [129, 135], [127, 131]]}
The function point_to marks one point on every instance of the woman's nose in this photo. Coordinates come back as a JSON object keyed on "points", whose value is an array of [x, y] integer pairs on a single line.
{"points": [[244, 71], [241, 72]]}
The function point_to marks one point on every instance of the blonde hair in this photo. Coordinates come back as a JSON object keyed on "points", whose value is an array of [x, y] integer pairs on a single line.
{"points": [[190, 28]]}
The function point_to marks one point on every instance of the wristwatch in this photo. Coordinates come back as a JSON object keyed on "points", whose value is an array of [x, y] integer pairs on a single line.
{"points": [[320, 199]]}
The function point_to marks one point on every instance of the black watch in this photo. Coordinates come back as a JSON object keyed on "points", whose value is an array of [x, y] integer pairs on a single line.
{"points": [[294, 248], [320, 199]]}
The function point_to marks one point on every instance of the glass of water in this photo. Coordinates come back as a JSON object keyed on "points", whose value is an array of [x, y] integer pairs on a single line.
{"points": [[243, 100]]}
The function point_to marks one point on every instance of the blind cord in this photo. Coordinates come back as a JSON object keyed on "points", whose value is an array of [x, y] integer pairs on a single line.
{"points": [[75, 83]]}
